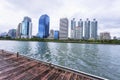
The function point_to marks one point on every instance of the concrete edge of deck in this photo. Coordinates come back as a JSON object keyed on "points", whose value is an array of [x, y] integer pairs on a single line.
{"points": [[57, 66]]}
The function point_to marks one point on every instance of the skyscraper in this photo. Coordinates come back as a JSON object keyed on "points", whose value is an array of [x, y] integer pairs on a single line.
{"points": [[43, 29], [73, 25], [94, 29], [63, 28], [87, 29], [26, 31], [56, 34], [80, 24], [78, 33], [19, 31], [51, 35]]}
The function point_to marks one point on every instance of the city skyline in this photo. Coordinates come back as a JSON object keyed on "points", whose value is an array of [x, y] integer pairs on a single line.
{"points": [[106, 12]]}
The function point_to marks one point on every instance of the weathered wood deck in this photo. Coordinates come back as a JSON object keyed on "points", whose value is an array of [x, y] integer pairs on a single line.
{"points": [[24, 68]]}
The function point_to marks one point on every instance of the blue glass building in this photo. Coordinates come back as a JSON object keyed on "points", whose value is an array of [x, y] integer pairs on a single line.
{"points": [[4, 34], [94, 29], [80, 24], [26, 28], [73, 25], [87, 29], [12, 33], [43, 29], [56, 34]]}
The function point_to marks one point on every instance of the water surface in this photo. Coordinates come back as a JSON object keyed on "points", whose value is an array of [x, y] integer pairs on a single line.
{"points": [[98, 59]]}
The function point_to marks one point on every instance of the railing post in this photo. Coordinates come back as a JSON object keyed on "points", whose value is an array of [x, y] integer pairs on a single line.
{"points": [[2, 50], [17, 54]]}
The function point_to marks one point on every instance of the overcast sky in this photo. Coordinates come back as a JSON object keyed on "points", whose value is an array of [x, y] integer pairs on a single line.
{"points": [[107, 13]]}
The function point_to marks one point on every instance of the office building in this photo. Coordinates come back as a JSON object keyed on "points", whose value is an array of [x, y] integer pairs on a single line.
{"points": [[87, 29], [63, 28], [80, 25], [26, 31], [12, 33], [56, 34], [114, 38], [73, 25], [4, 34], [78, 33], [19, 30], [105, 36], [93, 30], [118, 38], [43, 29], [51, 36]]}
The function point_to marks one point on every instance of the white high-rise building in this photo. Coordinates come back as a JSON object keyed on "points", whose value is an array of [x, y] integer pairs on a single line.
{"points": [[19, 31], [78, 33], [105, 36], [63, 28], [51, 35]]}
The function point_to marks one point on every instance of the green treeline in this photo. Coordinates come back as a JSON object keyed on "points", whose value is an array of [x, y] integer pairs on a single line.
{"points": [[67, 41]]}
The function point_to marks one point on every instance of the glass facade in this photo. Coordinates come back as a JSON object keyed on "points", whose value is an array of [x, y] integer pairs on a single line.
{"points": [[26, 28], [12, 33], [43, 29], [56, 34], [94, 29], [80, 24], [4, 34], [87, 29], [73, 25]]}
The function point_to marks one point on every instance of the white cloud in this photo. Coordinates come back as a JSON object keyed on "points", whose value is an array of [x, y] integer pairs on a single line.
{"points": [[105, 11]]}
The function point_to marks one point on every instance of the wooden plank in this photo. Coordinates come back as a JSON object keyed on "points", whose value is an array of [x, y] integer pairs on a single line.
{"points": [[21, 71], [41, 74], [23, 68], [48, 75], [10, 70]]}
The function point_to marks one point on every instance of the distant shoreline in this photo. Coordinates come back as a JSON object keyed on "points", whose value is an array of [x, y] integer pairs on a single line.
{"points": [[117, 42]]}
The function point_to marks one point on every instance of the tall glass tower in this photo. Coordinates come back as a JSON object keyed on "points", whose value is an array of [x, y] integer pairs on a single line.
{"points": [[94, 29], [73, 25], [43, 29], [80, 24], [87, 29], [26, 28]]}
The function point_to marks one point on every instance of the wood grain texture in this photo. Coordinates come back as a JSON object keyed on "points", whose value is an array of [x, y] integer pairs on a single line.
{"points": [[24, 68]]}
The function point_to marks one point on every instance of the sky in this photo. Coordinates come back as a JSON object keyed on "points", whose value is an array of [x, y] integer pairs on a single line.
{"points": [[106, 12]]}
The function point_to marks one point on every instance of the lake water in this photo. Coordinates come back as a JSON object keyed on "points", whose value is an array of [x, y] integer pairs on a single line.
{"points": [[98, 59]]}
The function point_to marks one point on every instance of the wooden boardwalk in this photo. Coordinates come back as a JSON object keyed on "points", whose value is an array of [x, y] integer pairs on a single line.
{"points": [[17, 67]]}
